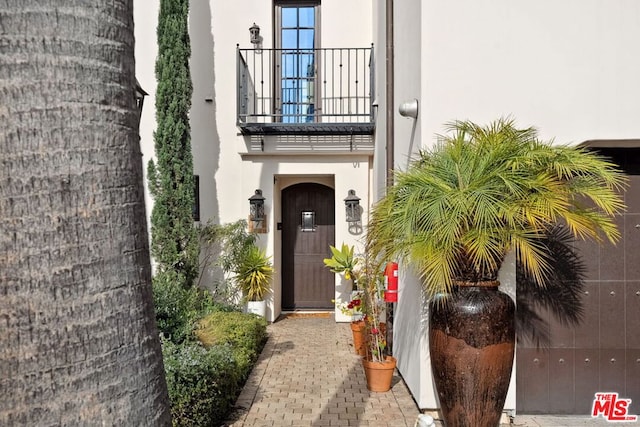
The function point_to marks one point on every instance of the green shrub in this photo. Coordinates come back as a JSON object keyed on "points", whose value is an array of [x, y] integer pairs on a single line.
{"points": [[245, 333], [178, 309], [203, 383]]}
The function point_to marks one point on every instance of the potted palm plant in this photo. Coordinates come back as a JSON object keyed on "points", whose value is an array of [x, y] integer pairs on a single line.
{"points": [[253, 276], [453, 216]]}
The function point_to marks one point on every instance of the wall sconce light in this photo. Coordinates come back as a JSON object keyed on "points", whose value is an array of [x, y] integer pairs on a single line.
{"points": [[257, 218], [255, 37], [256, 206], [140, 94], [352, 205]]}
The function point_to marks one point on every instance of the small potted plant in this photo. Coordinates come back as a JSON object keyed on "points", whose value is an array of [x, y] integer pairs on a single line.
{"points": [[253, 276], [378, 365], [368, 306], [353, 309], [344, 262]]}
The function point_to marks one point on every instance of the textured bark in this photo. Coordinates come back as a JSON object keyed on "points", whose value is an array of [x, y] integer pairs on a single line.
{"points": [[78, 341]]}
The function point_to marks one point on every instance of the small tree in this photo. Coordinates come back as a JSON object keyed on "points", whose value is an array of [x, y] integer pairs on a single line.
{"points": [[174, 244]]}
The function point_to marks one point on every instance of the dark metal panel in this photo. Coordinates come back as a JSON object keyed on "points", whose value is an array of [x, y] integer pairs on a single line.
{"points": [[587, 368], [633, 379], [590, 253], [631, 235], [562, 336], [586, 334], [532, 381], [632, 197], [632, 314], [611, 143], [612, 328], [606, 352], [612, 256], [612, 370], [561, 381]]}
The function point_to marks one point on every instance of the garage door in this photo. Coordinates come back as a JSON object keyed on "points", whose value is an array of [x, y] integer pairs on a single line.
{"points": [[601, 353]]}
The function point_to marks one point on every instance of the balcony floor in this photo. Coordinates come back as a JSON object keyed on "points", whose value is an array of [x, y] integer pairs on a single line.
{"points": [[306, 128]]}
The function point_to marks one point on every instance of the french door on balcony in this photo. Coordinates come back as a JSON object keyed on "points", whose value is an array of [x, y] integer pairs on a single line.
{"points": [[297, 38]]}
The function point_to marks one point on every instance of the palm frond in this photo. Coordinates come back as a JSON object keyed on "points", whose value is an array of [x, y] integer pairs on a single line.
{"points": [[482, 191]]}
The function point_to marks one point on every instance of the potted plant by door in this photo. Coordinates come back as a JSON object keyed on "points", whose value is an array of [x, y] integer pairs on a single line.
{"points": [[344, 262], [253, 275], [453, 216], [378, 365], [367, 310]]}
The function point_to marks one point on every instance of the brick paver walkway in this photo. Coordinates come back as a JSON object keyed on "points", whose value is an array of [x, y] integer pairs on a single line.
{"points": [[309, 375]]}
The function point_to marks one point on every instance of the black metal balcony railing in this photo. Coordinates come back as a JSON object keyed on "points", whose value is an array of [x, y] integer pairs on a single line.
{"points": [[318, 91]]}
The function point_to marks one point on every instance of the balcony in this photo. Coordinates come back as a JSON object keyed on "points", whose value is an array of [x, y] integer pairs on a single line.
{"points": [[305, 92]]}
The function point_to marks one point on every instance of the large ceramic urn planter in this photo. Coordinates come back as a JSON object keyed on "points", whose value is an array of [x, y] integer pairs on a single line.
{"points": [[471, 344], [379, 374]]}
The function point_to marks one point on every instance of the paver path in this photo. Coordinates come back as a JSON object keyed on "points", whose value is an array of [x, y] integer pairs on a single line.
{"points": [[309, 375]]}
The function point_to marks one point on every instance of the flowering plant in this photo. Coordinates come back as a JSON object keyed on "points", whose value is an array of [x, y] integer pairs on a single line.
{"points": [[372, 284], [353, 308], [367, 301]]}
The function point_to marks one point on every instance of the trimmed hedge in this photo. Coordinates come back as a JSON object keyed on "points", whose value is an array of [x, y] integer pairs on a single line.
{"points": [[204, 378], [245, 333], [203, 383]]}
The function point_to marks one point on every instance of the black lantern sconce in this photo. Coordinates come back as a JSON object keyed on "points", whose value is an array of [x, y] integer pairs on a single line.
{"points": [[257, 218], [352, 205], [255, 37], [140, 94]]}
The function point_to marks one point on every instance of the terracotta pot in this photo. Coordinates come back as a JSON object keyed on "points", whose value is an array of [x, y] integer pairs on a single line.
{"points": [[359, 337], [379, 374], [471, 344]]}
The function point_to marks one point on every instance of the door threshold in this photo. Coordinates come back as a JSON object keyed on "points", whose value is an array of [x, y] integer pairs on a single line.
{"points": [[306, 313]]}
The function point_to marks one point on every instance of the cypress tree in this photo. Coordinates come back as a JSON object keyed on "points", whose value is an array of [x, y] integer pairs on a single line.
{"points": [[174, 244]]}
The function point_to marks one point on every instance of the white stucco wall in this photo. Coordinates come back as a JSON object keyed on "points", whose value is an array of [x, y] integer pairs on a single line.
{"points": [[215, 136], [228, 174], [566, 68]]}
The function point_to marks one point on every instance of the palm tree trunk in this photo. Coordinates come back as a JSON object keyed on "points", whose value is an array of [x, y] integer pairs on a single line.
{"points": [[78, 340]]}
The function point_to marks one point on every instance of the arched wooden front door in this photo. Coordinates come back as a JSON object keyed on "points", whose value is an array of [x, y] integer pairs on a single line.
{"points": [[308, 228]]}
